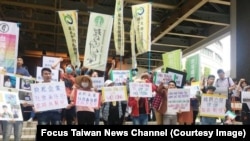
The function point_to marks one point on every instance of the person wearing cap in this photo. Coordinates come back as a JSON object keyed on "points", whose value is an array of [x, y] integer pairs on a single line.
{"points": [[139, 109], [112, 113], [209, 120], [148, 78], [85, 114]]}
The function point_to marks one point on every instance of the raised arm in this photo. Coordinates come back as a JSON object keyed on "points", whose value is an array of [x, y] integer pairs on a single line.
{"points": [[53, 66]]}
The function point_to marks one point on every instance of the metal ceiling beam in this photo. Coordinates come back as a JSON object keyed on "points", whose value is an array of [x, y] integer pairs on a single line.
{"points": [[129, 19], [179, 16], [186, 35], [170, 45], [156, 5], [206, 41], [220, 2], [39, 22], [140, 58], [206, 22], [36, 6]]}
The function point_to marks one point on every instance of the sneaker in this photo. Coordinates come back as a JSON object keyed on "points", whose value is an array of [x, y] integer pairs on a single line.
{"points": [[30, 120]]}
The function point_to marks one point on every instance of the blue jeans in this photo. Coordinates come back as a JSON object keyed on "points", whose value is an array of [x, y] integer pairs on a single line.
{"points": [[97, 117], [49, 118], [32, 114], [142, 119], [208, 121], [7, 130]]}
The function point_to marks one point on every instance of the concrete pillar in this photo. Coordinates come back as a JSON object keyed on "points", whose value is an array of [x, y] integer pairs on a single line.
{"points": [[240, 39]]}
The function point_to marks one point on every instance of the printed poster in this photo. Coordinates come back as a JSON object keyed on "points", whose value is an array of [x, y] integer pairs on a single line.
{"points": [[10, 108], [9, 39], [49, 96], [213, 105], [114, 93], [178, 100], [87, 98], [25, 97], [9, 81]]}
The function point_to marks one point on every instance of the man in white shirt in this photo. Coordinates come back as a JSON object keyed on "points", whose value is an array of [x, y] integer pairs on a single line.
{"points": [[227, 82]]}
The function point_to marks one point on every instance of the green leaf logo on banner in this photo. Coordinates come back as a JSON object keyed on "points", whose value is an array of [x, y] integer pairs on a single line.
{"points": [[99, 20]]}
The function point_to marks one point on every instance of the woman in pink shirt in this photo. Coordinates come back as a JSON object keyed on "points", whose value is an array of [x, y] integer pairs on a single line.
{"points": [[85, 114]]}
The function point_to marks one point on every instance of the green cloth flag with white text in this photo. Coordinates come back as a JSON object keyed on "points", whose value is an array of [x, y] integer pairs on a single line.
{"points": [[193, 67], [172, 59]]}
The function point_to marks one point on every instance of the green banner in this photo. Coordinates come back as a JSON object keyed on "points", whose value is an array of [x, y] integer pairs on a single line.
{"points": [[193, 67], [172, 60], [207, 71]]}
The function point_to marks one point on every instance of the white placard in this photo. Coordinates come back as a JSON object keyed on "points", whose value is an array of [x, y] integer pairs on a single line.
{"points": [[140, 89], [49, 61], [54, 73], [49, 96], [221, 91], [160, 77], [114, 93], [87, 98], [245, 98], [120, 76], [213, 105], [98, 82], [178, 100], [193, 90]]}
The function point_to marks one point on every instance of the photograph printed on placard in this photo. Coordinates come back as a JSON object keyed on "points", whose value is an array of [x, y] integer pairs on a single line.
{"points": [[9, 81], [25, 97], [25, 84], [5, 111]]}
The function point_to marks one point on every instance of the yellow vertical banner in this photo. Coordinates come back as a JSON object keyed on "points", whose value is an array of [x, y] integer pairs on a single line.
{"points": [[132, 40], [69, 20], [142, 14], [119, 28]]}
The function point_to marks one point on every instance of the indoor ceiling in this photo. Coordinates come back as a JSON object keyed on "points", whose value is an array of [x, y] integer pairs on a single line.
{"points": [[176, 24]]}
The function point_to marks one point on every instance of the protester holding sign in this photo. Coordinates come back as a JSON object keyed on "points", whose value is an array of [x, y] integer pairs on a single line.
{"points": [[209, 120], [139, 105], [85, 114], [112, 111], [170, 116], [47, 117], [94, 74]]}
